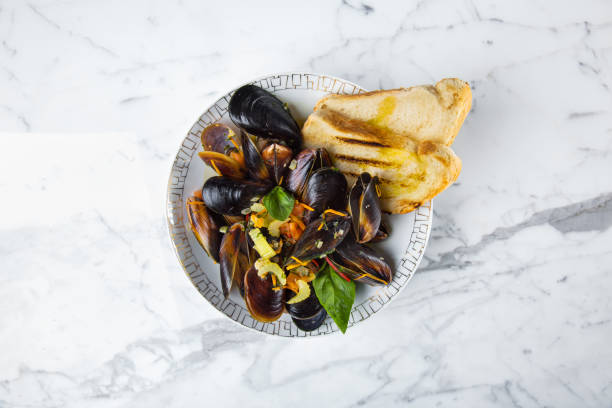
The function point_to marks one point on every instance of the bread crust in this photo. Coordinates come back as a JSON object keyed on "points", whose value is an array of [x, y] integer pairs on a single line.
{"points": [[444, 107], [412, 168]]}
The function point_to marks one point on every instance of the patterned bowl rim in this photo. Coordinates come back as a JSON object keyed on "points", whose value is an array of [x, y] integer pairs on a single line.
{"points": [[404, 271]]}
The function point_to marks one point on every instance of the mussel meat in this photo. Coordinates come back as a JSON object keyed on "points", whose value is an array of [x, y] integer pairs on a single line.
{"points": [[320, 237], [223, 165], [364, 204], [262, 114], [233, 258], [361, 262], [306, 162], [326, 188], [225, 195], [277, 157], [263, 302], [220, 138], [204, 224], [252, 159]]}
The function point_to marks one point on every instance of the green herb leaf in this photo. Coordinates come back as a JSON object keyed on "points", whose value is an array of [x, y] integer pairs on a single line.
{"points": [[335, 295], [279, 203]]}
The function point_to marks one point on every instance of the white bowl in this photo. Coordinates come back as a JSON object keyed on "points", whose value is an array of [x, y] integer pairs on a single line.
{"points": [[403, 249]]}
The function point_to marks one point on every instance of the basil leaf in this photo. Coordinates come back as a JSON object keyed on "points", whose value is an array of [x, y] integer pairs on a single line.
{"points": [[335, 295], [279, 203]]}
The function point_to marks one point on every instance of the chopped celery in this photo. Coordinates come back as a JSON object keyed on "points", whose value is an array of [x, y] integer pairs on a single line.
{"points": [[303, 292], [260, 244], [265, 266]]}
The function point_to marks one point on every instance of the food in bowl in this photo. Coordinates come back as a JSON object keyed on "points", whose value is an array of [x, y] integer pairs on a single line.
{"points": [[287, 229]]}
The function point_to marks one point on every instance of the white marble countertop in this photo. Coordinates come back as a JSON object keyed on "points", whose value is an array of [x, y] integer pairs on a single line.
{"points": [[511, 307]]}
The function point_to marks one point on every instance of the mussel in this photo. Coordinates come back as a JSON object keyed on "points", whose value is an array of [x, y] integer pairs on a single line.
{"points": [[221, 151], [308, 314], [364, 204], [311, 323], [320, 237], [383, 232], [204, 224], [262, 114], [326, 188], [277, 157], [218, 138], [361, 262], [226, 195], [232, 219], [223, 165], [306, 162], [263, 302], [252, 159], [233, 258]]}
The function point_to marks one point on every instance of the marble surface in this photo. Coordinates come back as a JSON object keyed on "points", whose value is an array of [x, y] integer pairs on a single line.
{"points": [[511, 307]]}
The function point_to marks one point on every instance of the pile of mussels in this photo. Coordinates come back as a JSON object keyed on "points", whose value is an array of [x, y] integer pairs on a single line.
{"points": [[274, 261]]}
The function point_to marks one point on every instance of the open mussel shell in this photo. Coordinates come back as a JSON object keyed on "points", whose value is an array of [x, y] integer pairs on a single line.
{"points": [[233, 259], [252, 159], [205, 225], [306, 162], [320, 237], [383, 231], [263, 303], [229, 196], [225, 165], [364, 204], [361, 262], [218, 138], [262, 114], [232, 219], [277, 157], [326, 188]]}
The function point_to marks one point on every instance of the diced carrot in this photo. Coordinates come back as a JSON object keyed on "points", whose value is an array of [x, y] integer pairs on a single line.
{"points": [[215, 167], [309, 208], [296, 231], [334, 212], [298, 210], [298, 221]]}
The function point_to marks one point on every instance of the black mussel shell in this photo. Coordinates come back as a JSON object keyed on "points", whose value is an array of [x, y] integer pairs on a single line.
{"points": [[277, 157], [205, 225], [308, 314], [364, 204], [361, 262], [232, 258], [262, 114], [304, 309], [383, 231], [223, 164], [230, 196], [264, 303], [217, 138], [245, 263], [311, 323], [252, 159], [318, 240], [306, 162], [326, 188]]}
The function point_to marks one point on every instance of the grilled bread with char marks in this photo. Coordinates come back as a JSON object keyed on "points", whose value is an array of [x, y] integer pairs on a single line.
{"points": [[401, 136]]}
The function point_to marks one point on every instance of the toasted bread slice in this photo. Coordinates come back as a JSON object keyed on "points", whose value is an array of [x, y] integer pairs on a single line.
{"points": [[423, 113], [410, 172]]}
